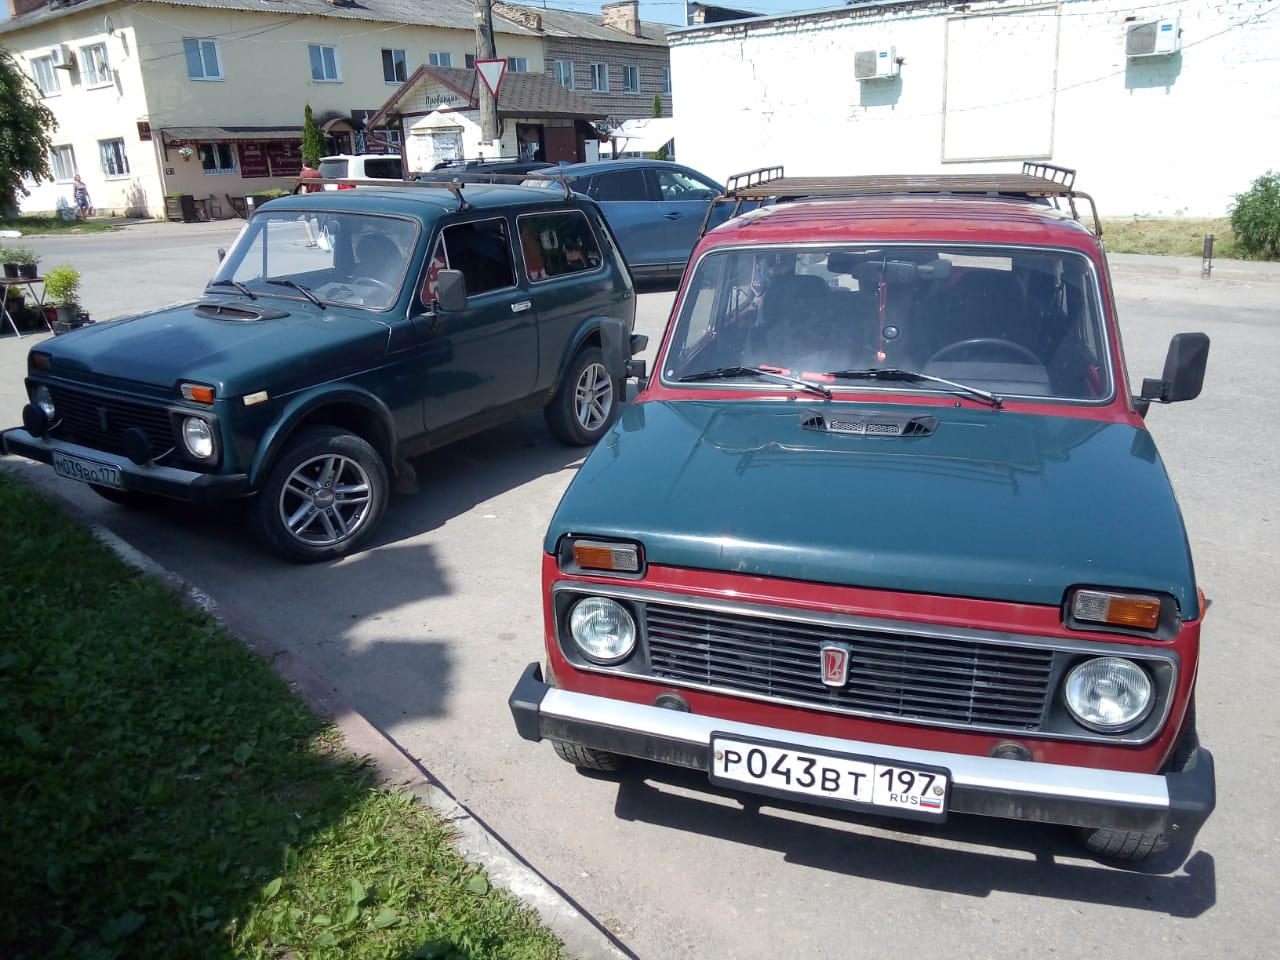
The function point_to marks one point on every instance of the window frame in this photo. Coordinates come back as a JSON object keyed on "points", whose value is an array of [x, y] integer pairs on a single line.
{"points": [[442, 240], [319, 51], [121, 154], [440, 58], [599, 77], [518, 64], [215, 146], [562, 70], [93, 78], [630, 78], [200, 45], [399, 65], [589, 232], [45, 62], [666, 80], [56, 151]]}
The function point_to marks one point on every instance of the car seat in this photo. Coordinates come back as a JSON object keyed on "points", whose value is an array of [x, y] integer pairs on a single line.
{"points": [[377, 256], [792, 328]]}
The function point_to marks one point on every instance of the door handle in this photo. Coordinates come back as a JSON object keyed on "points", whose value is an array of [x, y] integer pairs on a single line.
{"points": [[521, 307], [671, 216]]}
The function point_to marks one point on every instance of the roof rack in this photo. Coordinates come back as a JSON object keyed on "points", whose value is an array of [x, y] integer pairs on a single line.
{"points": [[453, 186], [1036, 181]]}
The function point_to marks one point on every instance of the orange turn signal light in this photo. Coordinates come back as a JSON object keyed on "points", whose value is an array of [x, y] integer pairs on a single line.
{"points": [[1133, 611], [197, 392], [616, 557]]}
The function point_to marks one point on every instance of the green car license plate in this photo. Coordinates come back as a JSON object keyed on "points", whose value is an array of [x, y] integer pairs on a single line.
{"points": [[87, 471]]}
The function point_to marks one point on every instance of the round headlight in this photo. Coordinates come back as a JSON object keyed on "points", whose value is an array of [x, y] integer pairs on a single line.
{"points": [[44, 400], [1109, 694], [198, 438], [602, 629]]}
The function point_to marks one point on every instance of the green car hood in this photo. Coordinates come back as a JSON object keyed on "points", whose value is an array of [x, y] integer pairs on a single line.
{"points": [[990, 504], [234, 355]]}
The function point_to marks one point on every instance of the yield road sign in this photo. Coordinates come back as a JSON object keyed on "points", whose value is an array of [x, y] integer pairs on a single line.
{"points": [[491, 72]]}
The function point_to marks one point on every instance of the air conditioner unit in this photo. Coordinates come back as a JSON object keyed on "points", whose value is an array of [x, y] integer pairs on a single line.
{"points": [[875, 64], [62, 57], [1156, 38]]}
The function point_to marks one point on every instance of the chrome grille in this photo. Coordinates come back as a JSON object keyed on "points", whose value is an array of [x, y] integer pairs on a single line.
{"points": [[920, 678], [82, 416]]}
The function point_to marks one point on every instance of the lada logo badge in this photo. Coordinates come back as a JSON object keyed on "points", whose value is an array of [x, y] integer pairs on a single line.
{"points": [[835, 664]]}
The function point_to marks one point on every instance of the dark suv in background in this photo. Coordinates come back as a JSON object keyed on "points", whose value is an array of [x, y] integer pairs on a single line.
{"points": [[308, 372]]}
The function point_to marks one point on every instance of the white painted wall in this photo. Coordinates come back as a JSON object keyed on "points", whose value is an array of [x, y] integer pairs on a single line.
{"points": [[1176, 136]]}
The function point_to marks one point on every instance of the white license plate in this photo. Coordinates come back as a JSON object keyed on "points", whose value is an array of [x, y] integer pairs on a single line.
{"points": [[832, 778], [86, 470]]}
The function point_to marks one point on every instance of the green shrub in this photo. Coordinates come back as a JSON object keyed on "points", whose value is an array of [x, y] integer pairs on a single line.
{"points": [[1255, 217], [62, 285]]}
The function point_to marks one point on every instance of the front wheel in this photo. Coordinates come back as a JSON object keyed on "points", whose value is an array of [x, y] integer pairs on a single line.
{"points": [[323, 496], [587, 402], [587, 758], [1127, 845]]}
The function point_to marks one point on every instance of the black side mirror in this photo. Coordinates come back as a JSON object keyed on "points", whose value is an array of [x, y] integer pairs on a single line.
{"points": [[1183, 376], [451, 290]]}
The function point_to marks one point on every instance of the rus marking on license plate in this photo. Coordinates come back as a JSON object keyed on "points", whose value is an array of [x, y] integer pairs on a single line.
{"points": [[86, 470], [836, 779]]}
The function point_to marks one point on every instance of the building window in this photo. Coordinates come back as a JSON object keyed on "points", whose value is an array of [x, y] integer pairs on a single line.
{"points": [[392, 137], [395, 66], [114, 161], [563, 72], [666, 79], [471, 60], [203, 62], [324, 63], [217, 158], [517, 64], [631, 79], [63, 161], [440, 58], [94, 67], [45, 76], [600, 77]]}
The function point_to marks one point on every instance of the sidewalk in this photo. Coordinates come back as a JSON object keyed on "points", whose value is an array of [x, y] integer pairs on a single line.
{"points": [[1238, 271]]}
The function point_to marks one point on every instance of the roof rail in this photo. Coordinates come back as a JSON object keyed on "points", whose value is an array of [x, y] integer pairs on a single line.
{"points": [[1036, 181], [453, 186]]}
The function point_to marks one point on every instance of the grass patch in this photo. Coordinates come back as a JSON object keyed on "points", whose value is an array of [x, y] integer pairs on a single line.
{"points": [[31, 226], [1172, 237], [167, 795]]}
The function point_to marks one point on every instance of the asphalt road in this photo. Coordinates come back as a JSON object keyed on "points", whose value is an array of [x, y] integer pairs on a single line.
{"points": [[426, 632]]}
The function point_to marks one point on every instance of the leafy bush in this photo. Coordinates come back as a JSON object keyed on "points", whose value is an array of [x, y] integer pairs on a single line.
{"points": [[19, 255], [62, 285], [1255, 217]]}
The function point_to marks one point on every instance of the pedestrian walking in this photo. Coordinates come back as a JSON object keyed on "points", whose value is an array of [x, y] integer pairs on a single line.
{"points": [[83, 209]]}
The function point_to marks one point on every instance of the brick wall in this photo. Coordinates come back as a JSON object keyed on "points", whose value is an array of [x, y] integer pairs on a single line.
{"points": [[650, 59]]}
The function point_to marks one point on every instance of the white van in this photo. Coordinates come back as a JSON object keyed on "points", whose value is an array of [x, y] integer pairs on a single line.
{"points": [[363, 166]]}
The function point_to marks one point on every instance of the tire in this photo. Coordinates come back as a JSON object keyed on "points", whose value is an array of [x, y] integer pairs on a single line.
{"points": [[131, 499], [587, 758], [587, 402], [1125, 844], [297, 512]]}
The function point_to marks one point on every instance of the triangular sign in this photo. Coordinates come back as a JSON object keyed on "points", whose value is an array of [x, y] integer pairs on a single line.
{"points": [[491, 72]]}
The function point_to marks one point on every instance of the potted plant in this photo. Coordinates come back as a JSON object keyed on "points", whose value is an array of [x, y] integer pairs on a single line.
{"points": [[62, 292], [19, 262]]}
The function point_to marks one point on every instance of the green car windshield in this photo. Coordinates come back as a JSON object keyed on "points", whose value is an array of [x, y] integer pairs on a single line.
{"points": [[1005, 321], [346, 259]]}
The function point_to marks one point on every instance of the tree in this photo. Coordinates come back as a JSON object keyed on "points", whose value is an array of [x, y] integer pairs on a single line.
{"points": [[661, 152], [26, 127], [312, 139]]}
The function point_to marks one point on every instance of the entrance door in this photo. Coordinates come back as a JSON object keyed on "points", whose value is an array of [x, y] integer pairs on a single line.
{"points": [[561, 143]]}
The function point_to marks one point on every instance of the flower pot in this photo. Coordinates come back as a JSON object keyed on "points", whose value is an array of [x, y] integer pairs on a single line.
{"points": [[27, 271], [11, 271]]}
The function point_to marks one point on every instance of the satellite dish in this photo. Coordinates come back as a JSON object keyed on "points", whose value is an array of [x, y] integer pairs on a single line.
{"points": [[108, 27]]}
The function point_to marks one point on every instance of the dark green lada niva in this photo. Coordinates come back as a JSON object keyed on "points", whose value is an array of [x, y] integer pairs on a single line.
{"points": [[345, 331]]}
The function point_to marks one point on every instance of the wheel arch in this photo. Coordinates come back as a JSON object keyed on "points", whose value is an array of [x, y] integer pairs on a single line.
{"points": [[609, 334], [361, 413]]}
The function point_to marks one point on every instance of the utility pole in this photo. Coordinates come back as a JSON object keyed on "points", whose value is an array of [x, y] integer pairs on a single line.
{"points": [[486, 50]]}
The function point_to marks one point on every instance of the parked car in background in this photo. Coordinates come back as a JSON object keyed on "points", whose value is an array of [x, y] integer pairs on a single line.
{"points": [[363, 166], [305, 375], [482, 169], [887, 531], [655, 208]]}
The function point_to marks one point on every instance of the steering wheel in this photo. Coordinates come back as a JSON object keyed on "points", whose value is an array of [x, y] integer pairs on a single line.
{"points": [[371, 282], [989, 347]]}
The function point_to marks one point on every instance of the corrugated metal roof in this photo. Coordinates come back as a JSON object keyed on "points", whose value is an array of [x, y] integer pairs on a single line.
{"points": [[566, 24]]}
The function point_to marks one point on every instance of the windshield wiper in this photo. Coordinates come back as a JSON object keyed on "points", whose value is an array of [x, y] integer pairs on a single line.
{"points": [[911, 376], [237, 284], [725, 373], [300, 288]]}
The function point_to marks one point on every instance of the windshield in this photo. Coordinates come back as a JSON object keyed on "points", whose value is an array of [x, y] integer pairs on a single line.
{"points": [[1011, 322], [348, 259]]}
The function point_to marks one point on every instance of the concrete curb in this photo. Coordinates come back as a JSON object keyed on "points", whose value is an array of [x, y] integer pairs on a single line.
{"points": [[583, 937]]}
